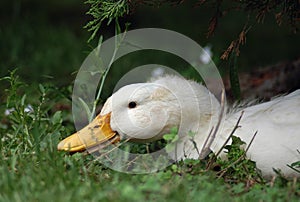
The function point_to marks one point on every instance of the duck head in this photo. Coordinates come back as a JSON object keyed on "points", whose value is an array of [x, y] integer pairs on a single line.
{"points": [[146, 111]]}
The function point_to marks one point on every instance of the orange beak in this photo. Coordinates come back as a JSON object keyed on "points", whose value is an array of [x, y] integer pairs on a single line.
{"points": [[98, 132]]}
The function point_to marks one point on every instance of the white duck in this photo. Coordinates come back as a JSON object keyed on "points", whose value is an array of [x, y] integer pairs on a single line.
{"points": [[147, 111]]}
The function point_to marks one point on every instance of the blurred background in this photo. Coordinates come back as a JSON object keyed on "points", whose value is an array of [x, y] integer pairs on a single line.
{"points": [[46, 41]]}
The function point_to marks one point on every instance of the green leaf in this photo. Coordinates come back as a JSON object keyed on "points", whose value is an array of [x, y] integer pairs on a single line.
{"points": [[57, 118], [170, 147], [169, 137], [86, 108], [23, 100], [174, 167], [42, 89], [296, 164], [174, 130]]}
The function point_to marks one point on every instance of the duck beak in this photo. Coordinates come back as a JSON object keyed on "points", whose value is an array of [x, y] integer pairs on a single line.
{"points": [[98, 132]]}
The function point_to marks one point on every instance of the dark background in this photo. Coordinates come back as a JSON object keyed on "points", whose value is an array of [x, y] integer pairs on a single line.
{"points": [[46, 40]]}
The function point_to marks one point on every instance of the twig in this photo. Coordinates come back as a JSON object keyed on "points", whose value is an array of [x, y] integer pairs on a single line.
{"points": [[211, 137], [213, 159], [232, 132], [94, 149], [295, 169], [111, 150]]}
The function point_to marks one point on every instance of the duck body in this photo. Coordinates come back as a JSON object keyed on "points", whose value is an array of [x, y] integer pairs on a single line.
{"points": [[277, 124], [146, 111]]}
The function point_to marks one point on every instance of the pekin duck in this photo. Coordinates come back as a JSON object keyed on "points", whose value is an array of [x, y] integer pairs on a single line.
{"points": [[147, 111]]}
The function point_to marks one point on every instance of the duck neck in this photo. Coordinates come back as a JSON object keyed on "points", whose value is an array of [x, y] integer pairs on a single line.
{"points": [[200, 121]]}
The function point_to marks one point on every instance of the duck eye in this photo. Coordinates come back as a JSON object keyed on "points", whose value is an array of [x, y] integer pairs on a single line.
{"points": [[132, 105]]}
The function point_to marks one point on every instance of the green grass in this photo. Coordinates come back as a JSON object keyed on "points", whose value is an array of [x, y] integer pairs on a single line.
{"points": [[31, 169]]}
